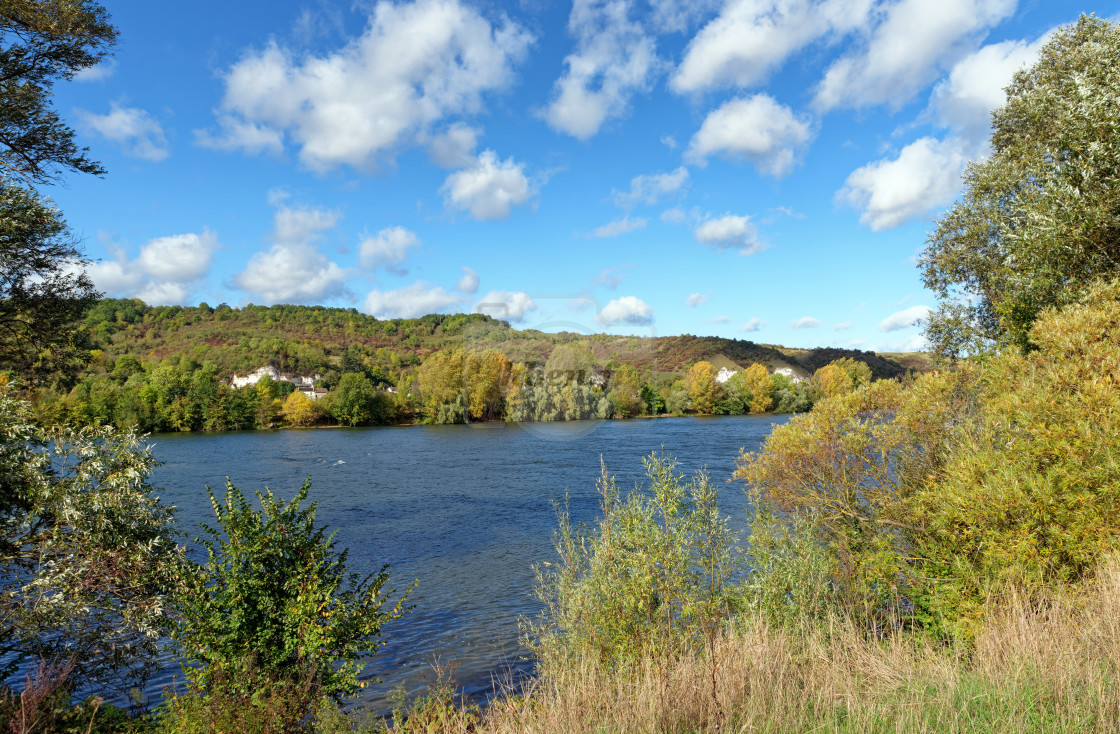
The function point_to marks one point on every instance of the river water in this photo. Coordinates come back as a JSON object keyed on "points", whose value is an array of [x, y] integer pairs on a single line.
{"points": [[466, 510]]}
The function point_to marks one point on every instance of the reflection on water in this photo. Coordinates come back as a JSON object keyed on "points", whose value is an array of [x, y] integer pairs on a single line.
{"points": [[467, 510]]}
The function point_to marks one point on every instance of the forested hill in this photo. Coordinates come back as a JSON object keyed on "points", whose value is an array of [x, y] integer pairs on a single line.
{"points": [[313, 339]]}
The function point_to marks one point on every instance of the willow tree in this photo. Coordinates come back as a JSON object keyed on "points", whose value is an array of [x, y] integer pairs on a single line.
{"points": [[1040, 218]]}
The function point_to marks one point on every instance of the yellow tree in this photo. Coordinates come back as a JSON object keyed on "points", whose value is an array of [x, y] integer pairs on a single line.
{"points": [[487, 375], [702, 387], [756, 379], [830, 381], [441, 379], [300, 410]]}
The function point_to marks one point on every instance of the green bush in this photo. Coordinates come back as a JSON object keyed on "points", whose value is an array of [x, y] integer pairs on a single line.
{"points": [[274, 588], [656, 577]]}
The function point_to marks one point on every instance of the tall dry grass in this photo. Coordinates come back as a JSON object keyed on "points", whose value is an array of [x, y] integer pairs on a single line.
{"points": [[1040, 664]]}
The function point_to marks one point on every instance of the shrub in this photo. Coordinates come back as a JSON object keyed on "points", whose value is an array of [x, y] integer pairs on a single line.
{"points": [[656, 576], [274, 587]]}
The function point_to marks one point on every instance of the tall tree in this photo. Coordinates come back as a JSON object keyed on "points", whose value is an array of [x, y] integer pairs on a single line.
{"points": [[1040, 218], [42, 287]]}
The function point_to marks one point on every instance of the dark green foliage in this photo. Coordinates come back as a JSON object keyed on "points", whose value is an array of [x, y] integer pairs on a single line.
{"points": [[275, 588], [40, 298]]}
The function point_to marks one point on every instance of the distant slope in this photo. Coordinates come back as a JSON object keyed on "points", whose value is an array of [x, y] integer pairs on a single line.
{"points": [[310, 339]]}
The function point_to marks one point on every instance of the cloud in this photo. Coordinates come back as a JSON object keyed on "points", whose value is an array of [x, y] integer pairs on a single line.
{"points": [[388, 249], [905, 318], [179, 258], [670, 16], [489, 188], [648, 189], [506, 305], [165, 272], [133, 130], [613, 60], [669, 142], [805, 322], [454, 147], [416, 65], [675, 215], [842, 326], [411, 301], [292, 270], [754, 324], [98, 72], [751, 38], [907, 50], [469, 282], [611, 277], [697, 299], [618, 227], [964, 100], [925, 175], [758, 129], [625, 310], [730, 232], [721, 320]]}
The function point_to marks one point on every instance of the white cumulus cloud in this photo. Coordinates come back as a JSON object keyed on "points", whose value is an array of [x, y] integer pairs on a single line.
{"points": [[132, 129], [697, 299], [613, 60], [166, 270], [454, 147], [905, 318], [751, 38], [730, 232], [292, 270], [506, 305], [907, 50], [964, 100], [416, 65], [489, 188], [626, 310], [388, 249], [925, 175], [755, 324], [805, 322], [648, 189], [410, 302], [758, 129], [469, 282]]}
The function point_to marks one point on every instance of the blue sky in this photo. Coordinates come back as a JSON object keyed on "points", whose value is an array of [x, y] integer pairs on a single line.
{"points": [[757, 169]]}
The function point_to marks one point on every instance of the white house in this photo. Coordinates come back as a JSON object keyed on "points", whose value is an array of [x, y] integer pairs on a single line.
{"points": [[253, 377]]}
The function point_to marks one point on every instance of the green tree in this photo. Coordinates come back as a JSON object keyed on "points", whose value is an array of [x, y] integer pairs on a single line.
{"points": [[87, 551], [1040, 217], [43, 290], [356, 402], [275, 589]]}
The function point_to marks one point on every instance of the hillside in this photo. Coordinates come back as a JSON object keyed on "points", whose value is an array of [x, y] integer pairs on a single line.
{"points": [[310, 339]]}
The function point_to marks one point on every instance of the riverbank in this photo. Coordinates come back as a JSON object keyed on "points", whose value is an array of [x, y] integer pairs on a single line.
{"points": [[1039, 665]]}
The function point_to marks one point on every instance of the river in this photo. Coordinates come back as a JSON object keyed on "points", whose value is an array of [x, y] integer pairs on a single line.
{"points": [[466, 510]]}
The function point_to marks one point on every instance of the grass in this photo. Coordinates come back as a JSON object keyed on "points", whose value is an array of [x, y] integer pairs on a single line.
{"points": [[1039, 665]]}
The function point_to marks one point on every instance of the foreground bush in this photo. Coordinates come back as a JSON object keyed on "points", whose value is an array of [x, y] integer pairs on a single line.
{"points": [[654, 579], [275, 588]]}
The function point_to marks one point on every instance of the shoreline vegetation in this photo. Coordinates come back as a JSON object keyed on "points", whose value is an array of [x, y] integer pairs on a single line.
{"points": [[170, 369]]}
